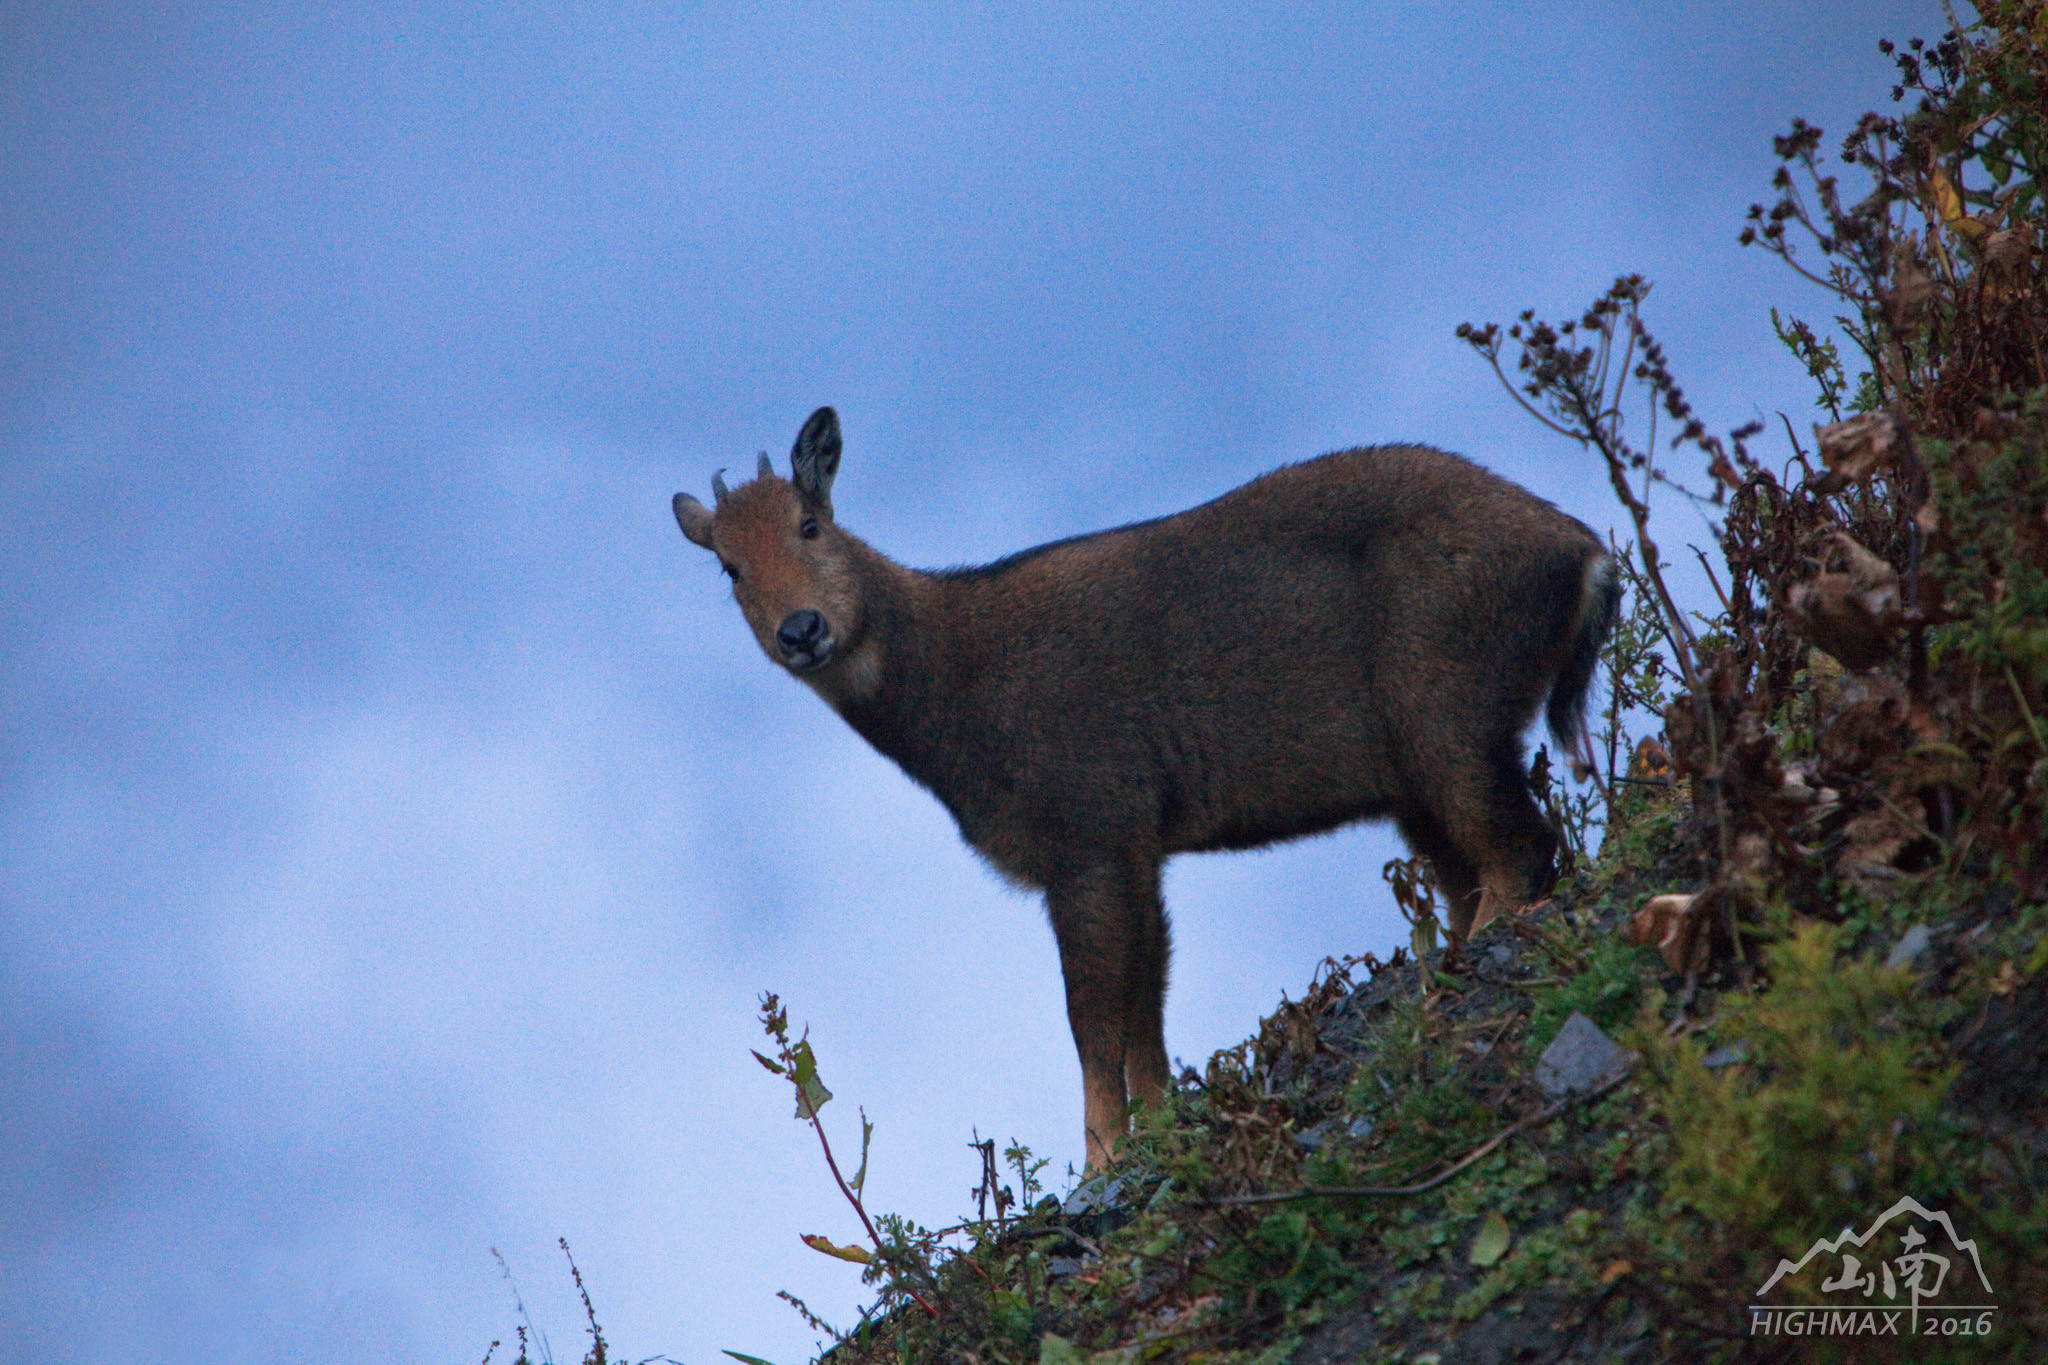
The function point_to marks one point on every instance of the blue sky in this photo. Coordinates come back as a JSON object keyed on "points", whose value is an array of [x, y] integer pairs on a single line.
{"points": [[400, 823]]}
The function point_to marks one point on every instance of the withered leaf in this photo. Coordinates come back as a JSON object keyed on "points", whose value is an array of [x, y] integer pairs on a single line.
{"points": [[1949, 203], [1725, 472], [2008, 248], [1833, 616], [1912, 287], [1854, 616], [858, 1255], [1859, 447], [1668, 924], [1870, 843]]}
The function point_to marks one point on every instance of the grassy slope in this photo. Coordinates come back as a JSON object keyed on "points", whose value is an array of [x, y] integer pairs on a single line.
{"points": [[1638, 1225]]}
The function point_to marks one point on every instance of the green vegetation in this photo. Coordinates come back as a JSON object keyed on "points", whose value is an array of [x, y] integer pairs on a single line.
{"points": [[1608, 992], [1841, 1075]]}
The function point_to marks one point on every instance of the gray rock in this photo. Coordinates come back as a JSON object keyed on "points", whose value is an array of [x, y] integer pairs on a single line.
{"points": [[1097, 1194], [1581, 1057], [1728, 1054], [1911, 944], [1314, 1139], [1059, 1267]]}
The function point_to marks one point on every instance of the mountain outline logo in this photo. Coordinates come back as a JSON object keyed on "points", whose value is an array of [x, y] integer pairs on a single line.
{"points": [[1919, 1273]]}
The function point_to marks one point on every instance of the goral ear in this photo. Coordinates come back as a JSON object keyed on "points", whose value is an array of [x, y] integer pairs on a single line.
{"points": [[695, 519], [815, 457]]}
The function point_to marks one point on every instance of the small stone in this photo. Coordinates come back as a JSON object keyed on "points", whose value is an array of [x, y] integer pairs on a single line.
{"points": [[1060, 1267], [1910, 945], [1317, 1137], [1581, 1057], [1094, 1195], [1728, 1054]]}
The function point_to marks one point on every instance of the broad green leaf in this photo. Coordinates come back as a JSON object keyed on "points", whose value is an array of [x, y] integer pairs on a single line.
{"points": [[1492, 1242], [775, 1067], [811, 1092], [858, 1255]]}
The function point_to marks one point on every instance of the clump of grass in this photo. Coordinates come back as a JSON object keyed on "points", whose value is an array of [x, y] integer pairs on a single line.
{"points": [[1609, 991], [1842, 1071]]}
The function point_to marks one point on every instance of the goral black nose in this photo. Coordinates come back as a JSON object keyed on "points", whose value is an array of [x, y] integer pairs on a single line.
{"points": [[801, 632]]}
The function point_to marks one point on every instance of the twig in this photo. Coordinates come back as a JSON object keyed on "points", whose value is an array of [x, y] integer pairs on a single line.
{"points": [[1701, 555], [1569, 1340], [852, 1198], [794, 1061], [1022, 1234], [1507, 1022], [1796, 451], [1571, 962], [2020, 695], [597, 1342], [1478, 1153]]}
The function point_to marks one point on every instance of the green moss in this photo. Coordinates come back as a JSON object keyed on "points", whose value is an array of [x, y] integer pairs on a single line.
{"points": [[1842, 1074], [1558, 1255]]}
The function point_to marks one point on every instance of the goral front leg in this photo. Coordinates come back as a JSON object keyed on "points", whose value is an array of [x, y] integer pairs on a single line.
{"points": [[1112, 941]]}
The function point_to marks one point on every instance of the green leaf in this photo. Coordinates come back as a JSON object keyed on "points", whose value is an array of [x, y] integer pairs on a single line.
{"points": [[860, 1177], [1054, 1349], [811, 1092], [1492, 1242], [2038, 959], [1423, 939], [775, 1067], [1277, 1353], [750, 1360], [858, 1255]]}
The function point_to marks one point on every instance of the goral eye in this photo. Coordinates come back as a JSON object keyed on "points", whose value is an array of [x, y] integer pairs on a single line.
{"points": [[809, 530]]}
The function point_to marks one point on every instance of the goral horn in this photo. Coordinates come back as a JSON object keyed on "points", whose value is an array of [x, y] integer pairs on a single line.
{"points": [[718, 488], [767, 469]]}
